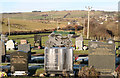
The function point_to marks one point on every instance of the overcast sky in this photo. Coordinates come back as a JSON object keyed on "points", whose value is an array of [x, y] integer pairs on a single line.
{"points": [[47, 5]]}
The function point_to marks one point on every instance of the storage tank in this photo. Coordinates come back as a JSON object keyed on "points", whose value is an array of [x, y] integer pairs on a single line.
{"points": [[58, 59]]}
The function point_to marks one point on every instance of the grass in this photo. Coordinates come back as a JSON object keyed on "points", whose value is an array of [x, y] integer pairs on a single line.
{"points": [[29, 21], [20, 36], [39, 71], [30, 40], [41, 51], [44, 39], [51, 14], [80, 52], [28, 25]]}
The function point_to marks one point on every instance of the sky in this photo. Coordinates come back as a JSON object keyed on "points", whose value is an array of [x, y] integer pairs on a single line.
{"points": [[48, 5]]}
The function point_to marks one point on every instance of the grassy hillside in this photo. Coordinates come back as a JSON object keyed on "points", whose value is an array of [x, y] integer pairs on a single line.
{"points": [[53, 14], [30, 21], [28, 25]]}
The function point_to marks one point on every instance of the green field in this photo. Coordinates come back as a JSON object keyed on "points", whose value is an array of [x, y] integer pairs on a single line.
{"points": [[30, 21], [28, 25], [52, 14], [44, 39]]}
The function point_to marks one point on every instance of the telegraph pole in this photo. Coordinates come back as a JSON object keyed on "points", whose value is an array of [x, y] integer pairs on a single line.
{"points": [[89, 8], [84, 27], [9, 26], [75, 26], [57, 25]]}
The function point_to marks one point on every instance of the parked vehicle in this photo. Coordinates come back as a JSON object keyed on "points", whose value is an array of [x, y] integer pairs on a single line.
{"points": [[81, 58]]}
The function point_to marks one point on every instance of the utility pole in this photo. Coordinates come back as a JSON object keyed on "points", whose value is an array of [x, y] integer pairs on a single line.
{"points": [[84, 27], [89, 8], [9, 26], [57, 26], [75, 25]]}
